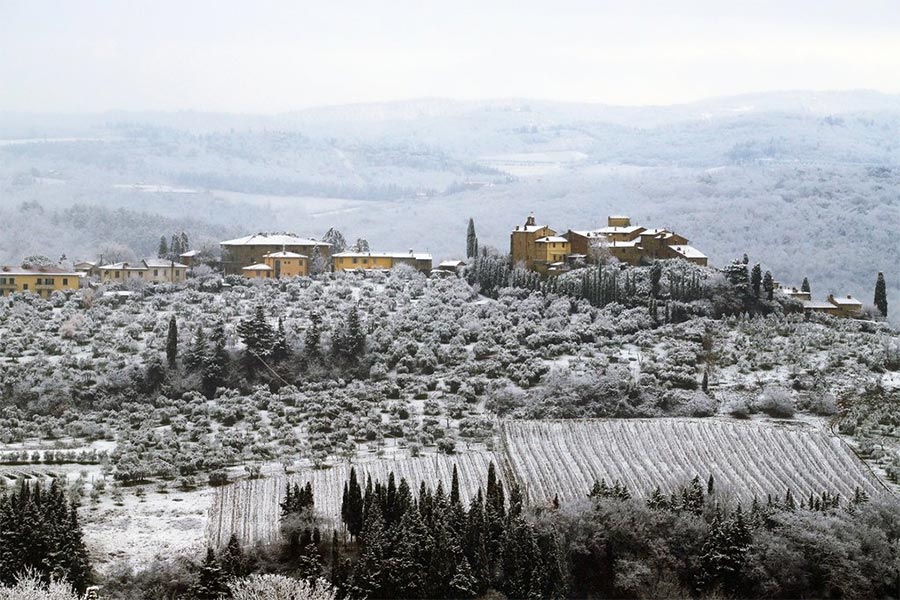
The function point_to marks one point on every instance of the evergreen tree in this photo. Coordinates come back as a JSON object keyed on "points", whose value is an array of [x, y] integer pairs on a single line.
{"points": [[769, 285], [163, 251], [471, 240], [175, 246], [313, 334], [655, 276], [197, 356], [318, 264], [352, 508], [280, 348], [211, 580], [804, 287], [216, 363], [232, 559], [257, 334], [756, 279], [185, 244], [881, 302], [172, 343], [704, 383]]}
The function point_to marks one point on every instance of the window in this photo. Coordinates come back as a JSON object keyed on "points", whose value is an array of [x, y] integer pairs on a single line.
{"points": [[65, 281], [117, 275], [25, 287], [365, 261], [355, 260], [12, 281], [156, 272]]}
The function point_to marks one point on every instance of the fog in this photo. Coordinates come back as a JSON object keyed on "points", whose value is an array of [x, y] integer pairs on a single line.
{"points": [[227, 55]]}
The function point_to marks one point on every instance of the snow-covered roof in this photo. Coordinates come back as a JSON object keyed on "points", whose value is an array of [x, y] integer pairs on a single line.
{"points": [[414, 255], [262, 239], [451, 264], [529, 228], [603, 231], [284, 254], [123, 266], [36, 271], [628, 244], [189, 254], [162, 263], [258, 267], [814, 305], [552, 238], [91, 263], [687, 251], [848, 301]]}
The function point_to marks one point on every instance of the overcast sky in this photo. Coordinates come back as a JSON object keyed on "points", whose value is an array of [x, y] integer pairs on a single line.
{"points": [[265, 56]]}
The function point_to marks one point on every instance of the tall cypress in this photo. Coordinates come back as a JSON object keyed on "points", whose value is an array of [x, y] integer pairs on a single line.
{"points": [[471, 240], [172, 343], [756, 279], [881, 295]]}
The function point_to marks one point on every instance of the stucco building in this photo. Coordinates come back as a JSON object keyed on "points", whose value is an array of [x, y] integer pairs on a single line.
{"points": [[252, 249], [43, 280]]}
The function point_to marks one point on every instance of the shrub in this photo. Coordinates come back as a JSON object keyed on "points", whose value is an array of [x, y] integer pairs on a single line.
{"points": [[776, 402]]}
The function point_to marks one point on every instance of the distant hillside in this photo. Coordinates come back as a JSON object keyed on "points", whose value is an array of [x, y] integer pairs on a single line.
{"points": [[807, 183]]}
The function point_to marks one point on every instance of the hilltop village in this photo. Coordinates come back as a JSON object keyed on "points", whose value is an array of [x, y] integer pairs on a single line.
{"points": [[264, 256]]}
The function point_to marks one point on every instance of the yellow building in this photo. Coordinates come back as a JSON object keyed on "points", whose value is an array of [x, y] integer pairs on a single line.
{"points": [[287, 264], [355, 261], [250, 250], [632, 244], [537, 247], [257, 271], [42, 281], [149, 270]]}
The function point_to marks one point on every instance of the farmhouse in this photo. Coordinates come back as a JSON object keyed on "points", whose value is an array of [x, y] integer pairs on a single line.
{"points": [[252, 249], [257, 271], [88, 268], [150, 270], [847, 307], [353, 261], [40, 280]]}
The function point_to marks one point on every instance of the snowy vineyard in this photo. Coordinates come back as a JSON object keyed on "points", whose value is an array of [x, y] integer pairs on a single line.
{"points": [[250, 508], [746, 459], [563, 459]]}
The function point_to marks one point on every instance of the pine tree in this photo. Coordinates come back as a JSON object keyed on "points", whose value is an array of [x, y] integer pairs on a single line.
{"points": [[881, 302], [216, 363], [172, 343], [163, 251], [175, 246], [769, 285], [336, 239], [804, 287], [756, 279], [471, 240], [257, 334]]}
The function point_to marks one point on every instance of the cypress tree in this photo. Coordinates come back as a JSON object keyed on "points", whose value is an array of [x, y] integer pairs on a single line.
{"points": [[769, 285], [163, 251], [197, 356], [881, 302], [471, 240], [804, 287], [172, 343], [756, 279], [313, 334], [211, 580]]}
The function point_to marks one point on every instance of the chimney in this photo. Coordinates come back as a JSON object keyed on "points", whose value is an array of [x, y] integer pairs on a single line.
{"points": [[849, 297]]}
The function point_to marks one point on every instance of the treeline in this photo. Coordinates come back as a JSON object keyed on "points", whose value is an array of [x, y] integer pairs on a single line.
{"points": [[40, 532]]}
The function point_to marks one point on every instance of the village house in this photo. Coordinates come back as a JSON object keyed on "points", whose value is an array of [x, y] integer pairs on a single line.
{"points": [[449, 267], [354, 261], [277, 265], [40, 280], [88, 268], [149, 270], [251, 250], [538, 248], [632, 244], [188, 258], [848, 307], [796, 294]]}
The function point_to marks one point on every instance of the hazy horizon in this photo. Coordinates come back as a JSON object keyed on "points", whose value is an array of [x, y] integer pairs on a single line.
{"points": [[275, 57]]}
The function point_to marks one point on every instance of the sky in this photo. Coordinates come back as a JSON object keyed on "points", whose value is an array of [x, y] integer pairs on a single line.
{"points": [[261, 56]]}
